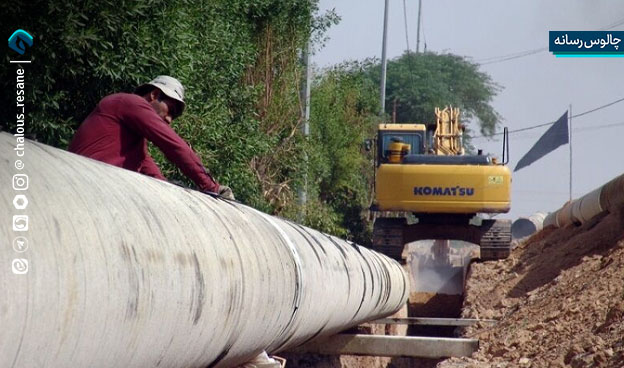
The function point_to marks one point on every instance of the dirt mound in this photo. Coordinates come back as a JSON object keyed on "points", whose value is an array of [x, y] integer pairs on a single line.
{"points": [[559, 299]]}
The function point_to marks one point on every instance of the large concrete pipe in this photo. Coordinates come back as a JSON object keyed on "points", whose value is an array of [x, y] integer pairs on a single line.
{"points": [[525, 226], [121, 270], [608, 197]]}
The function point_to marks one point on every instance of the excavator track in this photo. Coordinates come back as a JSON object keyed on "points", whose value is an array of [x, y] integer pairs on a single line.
{"points": [[390, 234], [495, 242]]}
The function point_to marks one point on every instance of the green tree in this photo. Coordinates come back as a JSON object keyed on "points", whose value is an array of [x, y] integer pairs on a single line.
{"points": [[419, 82], [340, 172]]}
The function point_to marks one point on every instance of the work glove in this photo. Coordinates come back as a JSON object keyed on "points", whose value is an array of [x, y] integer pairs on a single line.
{"points": [[226, 192]]}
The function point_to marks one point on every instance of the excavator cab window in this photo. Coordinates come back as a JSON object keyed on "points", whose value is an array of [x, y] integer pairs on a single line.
{"points": [[413, 139]]}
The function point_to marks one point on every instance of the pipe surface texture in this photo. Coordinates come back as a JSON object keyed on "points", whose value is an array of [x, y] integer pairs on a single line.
{"points": [[608, 197], [128, 271]]}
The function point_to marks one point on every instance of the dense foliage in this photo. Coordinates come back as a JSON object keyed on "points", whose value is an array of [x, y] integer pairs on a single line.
{"points": [[236, 58], [240, 63], [343, 114]]}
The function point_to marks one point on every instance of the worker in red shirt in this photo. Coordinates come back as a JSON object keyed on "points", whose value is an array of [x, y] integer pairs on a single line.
{"points": [[117, 130]]}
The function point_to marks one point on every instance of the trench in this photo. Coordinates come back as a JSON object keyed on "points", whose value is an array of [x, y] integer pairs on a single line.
{"points": [[437, 284]]}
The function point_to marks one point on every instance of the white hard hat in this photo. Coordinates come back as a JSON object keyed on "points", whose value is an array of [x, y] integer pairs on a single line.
{"points": [[170, 86]]}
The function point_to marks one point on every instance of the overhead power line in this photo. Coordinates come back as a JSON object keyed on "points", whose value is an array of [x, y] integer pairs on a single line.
{"points": [[597, 127], [598, 108], [575, 130], [552, 122], [617, 23], [517, 55]]}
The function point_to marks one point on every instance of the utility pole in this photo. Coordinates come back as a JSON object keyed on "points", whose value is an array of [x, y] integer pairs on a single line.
{"points": [[407, 44], [306, 92], [305, 97], [383, 62], [418, 26], [570, 136], [394, 105]]}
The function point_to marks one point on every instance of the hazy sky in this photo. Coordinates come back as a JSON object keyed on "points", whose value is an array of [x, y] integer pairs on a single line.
{"points": [[537, 88]]}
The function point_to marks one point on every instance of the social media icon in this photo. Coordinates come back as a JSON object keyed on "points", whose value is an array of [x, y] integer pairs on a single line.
{"points": [[20, 202], [20, 181], [19, 266], [20, 244], [20, 223]]}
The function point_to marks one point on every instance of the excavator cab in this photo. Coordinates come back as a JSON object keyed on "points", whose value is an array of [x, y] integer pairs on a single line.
{"points": [[395, 144]]}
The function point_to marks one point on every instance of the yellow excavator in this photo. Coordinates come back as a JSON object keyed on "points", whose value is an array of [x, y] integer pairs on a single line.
{"points": [[427, 187]]}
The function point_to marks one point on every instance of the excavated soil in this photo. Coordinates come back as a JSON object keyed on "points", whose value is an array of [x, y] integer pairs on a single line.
{"points": [[559, 299], [435, 305]]}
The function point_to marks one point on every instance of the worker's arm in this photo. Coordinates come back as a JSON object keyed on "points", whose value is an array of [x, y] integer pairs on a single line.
{"points": [[139, 116], [148, 167]]}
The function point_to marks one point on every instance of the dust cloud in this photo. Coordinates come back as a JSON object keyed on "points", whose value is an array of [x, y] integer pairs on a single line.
{"points": [[440, 271]]}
